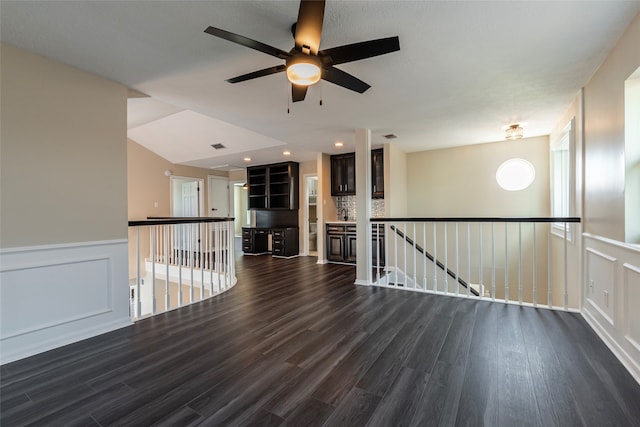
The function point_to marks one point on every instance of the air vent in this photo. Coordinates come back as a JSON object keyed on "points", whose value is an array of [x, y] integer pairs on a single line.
{"points": [[218, 146], [390, 136]]}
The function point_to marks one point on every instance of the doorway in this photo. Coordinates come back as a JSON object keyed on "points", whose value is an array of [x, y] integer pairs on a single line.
{"points": [[311, 217], [186, 196], [240, 207]]}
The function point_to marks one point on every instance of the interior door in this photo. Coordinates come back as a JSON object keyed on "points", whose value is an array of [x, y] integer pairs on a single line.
{"points": [[218, 197]]}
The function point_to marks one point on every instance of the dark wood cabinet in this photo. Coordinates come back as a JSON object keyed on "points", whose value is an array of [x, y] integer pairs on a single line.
{"points": [[343, 174], [335, 247], [377, 174], [285, 242], [273, 186], [341, 243], [257, 187], [377, 247], [255, 240]]}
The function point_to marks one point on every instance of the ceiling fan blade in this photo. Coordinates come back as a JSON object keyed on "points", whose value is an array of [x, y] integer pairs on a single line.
{"points": [[245, 41], [298, 92], [362, 50], [256, 74], [309, 25], [346, 80]]}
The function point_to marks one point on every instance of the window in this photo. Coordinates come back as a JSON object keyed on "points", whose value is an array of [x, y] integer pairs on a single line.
{"points": [[562, 178], [515, 174], [632, 158]]}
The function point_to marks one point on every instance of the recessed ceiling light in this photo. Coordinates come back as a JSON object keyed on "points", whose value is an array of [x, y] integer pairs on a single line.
{"points": [[286, 153], [247, 159], [339, 144]]}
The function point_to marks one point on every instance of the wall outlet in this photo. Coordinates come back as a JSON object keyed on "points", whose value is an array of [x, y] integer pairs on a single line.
{"points": [[591, 286], [606, 298]]}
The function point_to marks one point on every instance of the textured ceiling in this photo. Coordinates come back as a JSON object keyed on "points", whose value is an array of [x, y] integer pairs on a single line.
{"points": [[464, 71]]}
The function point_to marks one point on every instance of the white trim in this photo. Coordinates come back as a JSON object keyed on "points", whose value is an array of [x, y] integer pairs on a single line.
{"points": [[361, 283], [49, 247], [616, 243], [616, 349]]}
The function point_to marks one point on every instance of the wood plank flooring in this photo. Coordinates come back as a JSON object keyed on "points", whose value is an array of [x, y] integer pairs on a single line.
{"points": [[297, 344]]}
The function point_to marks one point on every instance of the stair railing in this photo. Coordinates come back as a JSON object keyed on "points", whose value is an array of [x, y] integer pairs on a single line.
{"points": [[175, 262], [528, 261]]}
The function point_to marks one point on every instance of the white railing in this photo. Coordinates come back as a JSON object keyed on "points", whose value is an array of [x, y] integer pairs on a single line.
{"points": [[175, 262], [527, 261]]}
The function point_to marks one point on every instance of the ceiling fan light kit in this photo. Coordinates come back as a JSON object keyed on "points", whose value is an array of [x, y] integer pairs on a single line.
{"points": [[304, 69], [305, 64]]}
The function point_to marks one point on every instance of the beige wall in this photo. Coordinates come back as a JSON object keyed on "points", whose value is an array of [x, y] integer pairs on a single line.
{"points": [[604, 138], [63, 165], [461, 181], [148, 184]]}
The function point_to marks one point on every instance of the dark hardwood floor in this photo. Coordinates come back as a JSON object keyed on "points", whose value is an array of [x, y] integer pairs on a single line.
{"points": [[297, 344]]}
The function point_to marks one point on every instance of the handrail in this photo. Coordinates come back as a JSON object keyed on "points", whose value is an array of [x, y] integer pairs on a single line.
{"points": [[159, 220], [480, 219], [434, 260]]}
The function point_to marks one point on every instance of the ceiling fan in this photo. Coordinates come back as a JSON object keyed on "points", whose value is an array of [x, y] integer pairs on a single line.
{"points": [[305, 64]]}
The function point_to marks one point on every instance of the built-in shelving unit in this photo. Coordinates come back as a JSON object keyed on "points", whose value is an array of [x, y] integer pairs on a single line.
{"points": [[273, 186]]}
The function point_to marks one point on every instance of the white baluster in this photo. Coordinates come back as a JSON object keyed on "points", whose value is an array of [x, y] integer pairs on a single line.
{"points": [[535, 268], [520, 263], [493, 261]]}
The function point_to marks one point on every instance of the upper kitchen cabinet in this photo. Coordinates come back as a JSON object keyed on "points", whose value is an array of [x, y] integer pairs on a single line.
{"points": [[377, 174], [273, 186], [343, 174]]}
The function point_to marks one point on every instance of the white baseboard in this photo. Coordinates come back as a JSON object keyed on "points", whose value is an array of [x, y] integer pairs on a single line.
{"points": [[624, 358], [58, 294]]}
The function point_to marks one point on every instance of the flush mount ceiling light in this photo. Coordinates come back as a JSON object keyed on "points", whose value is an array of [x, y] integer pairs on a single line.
{"points": [[304, 70], [339, 144], [514, 131], [286, 153], [247, 159]]}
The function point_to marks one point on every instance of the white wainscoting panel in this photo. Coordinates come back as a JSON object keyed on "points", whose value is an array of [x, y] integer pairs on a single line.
{"points": [[613, 267], [632, 313], [601, 279], [58, 294]]}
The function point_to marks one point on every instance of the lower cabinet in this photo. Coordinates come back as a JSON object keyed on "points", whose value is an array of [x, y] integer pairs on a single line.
{"points": [[377, 246], [284, 241], [341, 243]]}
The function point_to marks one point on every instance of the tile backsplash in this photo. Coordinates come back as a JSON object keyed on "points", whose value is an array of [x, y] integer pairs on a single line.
{"points": [[349, 204]]}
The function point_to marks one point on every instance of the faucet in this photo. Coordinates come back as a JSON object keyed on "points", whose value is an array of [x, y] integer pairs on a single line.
{"points": [[344, 214]]}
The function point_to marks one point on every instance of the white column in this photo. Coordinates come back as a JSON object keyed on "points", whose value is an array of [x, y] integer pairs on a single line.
{"points": [[363, 206]]}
